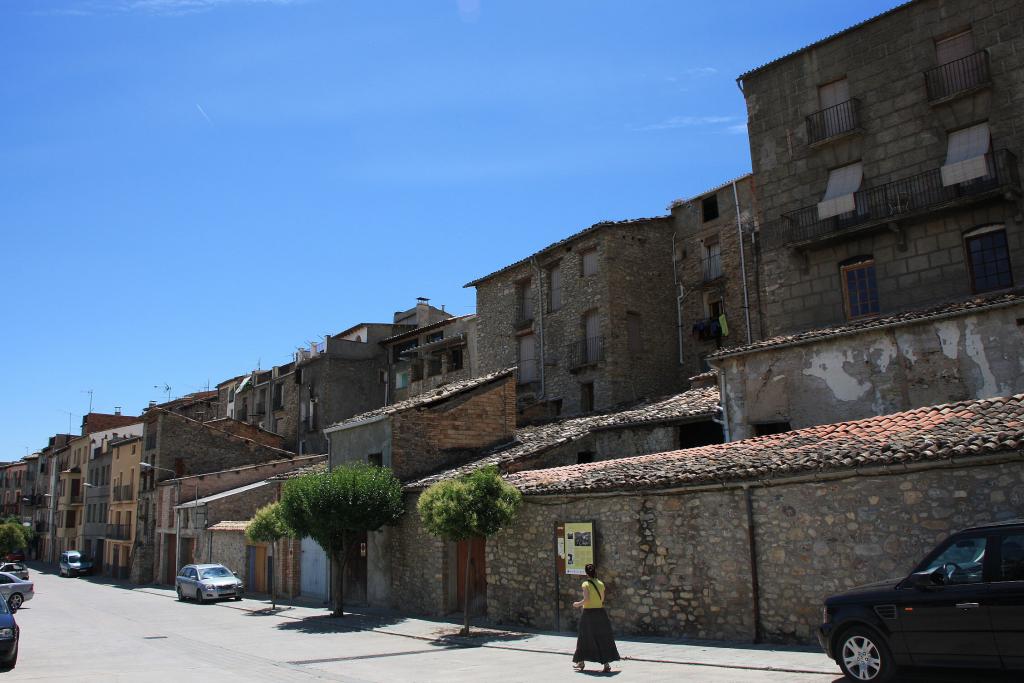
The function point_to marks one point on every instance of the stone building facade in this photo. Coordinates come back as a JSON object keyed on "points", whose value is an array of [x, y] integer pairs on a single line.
{"points": [[268, 400], [426, 357], [973, 349], [887, 159], [681, 537], [589, 321], [716, 271]]}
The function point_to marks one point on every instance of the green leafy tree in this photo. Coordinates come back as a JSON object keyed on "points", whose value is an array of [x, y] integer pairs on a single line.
{"points": [[475, 505], [13, 536], [268, 526], [336, 508]]}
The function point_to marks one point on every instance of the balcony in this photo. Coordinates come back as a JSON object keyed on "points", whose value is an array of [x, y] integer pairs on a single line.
{"points": [[76, 498], [122, 492], [524, 313], [833, 121], [883, 205], [119, 532], [957, 77], [584, 352]]}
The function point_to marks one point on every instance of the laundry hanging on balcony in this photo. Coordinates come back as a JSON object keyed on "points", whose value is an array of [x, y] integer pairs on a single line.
{"points": [[966, 155], [843, 182]]}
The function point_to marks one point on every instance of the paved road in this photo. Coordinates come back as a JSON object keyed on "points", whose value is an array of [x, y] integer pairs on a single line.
{"points": [[80, 630]]}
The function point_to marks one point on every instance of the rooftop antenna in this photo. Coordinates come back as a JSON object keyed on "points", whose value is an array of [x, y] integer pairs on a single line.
{"points": [[88, 391], [70, 415], [166, 388]]}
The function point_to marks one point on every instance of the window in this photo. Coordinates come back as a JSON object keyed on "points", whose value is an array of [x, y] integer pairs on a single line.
{"points": [[960, 562], [988, 259], [433, 366], [1011, 558], [584, 457], [592, 342], [528, 371], [375, 459], [967, 155], [454, 360], [714, 307], [836, 115], [953, 48], [709, 208], [860, 292], [555, 288], [711, 258], [588, 258], [843, 182], [399, 349], [634, 341], [416, 370], [435, 337], [831, 94], [766, 428], [586, 397], [402, 379], [279, 396], [524, 301]]}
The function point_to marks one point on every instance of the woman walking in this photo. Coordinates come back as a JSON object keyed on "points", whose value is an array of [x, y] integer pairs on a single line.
{"points": [[595, 642]]}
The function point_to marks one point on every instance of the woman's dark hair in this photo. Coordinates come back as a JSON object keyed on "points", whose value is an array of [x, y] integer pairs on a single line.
{"points": [[591, 572]]}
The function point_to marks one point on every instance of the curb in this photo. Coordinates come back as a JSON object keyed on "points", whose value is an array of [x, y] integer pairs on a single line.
{"points": [[463, 642]]}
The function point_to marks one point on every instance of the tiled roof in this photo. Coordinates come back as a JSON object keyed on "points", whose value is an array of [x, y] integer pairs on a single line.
{"points": [[229, 526], [426, 328], [534, 440], [826, 39], [317, 467], [224, 494], [955, 430], [101, 422], [708, 191], [570, 238], [427, 398], [936, 312]]}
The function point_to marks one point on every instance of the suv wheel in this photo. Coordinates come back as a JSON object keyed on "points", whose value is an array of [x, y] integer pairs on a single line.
{"points": [[864, 656]]}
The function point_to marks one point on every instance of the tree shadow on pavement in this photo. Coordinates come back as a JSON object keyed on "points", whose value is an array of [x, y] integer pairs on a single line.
{"points": [[477, 638], [330, 624]]}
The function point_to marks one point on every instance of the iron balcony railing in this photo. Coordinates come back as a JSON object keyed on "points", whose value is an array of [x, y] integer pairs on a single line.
{"points": [[524, 311], [833, 121], [711, 265], [585, 352], [76, 498], [121, 492], [917, 194], [957, 76], [119, 532], [529, 371]]}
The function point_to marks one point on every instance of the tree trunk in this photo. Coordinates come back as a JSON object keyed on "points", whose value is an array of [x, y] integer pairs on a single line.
{"points": [[337, 582], [273, 578], [465, 589]]}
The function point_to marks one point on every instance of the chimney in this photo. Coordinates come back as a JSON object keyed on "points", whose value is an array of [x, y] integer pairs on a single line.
{"points": [[152, 404], [422, 311], [117, 410]]}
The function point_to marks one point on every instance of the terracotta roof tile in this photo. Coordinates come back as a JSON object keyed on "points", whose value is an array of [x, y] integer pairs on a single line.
{"points": [[940, 432], [229, 526], [315, 468], [956, 308], [427, 398], [534, 440], [426, 328]]}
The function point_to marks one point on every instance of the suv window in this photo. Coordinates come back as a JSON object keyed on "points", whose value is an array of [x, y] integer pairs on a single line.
{"points": [[192, 574], [961, 561], [1012, 558]]}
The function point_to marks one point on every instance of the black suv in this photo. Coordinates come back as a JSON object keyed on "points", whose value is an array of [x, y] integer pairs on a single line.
{"points": [[963, 606]]}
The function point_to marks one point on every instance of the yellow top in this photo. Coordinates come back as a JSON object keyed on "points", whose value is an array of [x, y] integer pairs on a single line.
{"points": [[595, 598]]}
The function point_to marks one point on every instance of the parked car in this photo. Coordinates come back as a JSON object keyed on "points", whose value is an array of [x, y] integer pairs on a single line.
{"points": [[15, 591], [15, 556], [9, 634], [73, 564], [17, 568], [962, 607], [204, 582]]}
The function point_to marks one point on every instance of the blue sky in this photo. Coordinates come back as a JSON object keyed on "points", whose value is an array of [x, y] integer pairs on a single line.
{"points": [[192, 187]]}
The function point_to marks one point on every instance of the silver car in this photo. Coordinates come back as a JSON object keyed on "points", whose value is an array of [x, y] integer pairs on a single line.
{"points": [[15, 591], [207, 582], [16, 568]]}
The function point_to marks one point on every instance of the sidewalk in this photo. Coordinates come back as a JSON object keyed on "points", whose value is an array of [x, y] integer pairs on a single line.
{"points": [[791, 659]]}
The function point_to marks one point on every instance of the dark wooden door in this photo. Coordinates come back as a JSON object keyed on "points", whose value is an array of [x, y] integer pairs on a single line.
{"points": [[477, 576], [172, 564], [355, 572]]}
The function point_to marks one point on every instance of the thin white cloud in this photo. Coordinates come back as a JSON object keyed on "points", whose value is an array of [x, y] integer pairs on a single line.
{"points": [[687, 122], [469, 10], [737, 129], [702, 71], [203, 112]]}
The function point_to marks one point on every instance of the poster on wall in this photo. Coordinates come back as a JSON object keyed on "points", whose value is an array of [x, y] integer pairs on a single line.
{"points": [[579, 546]]}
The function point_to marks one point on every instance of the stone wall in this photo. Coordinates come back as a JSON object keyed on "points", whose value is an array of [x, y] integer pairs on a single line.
{"points": [[634, 276], [341, 387], [900, 134], [420, 567], [877, 372], [678, 564], [465, 326]]}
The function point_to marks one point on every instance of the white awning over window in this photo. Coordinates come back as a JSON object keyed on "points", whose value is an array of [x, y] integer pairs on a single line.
{"points": [[842, 183], [965, 155]]}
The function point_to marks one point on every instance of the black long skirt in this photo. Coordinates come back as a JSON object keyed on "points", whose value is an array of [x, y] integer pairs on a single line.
{"points": [[595, 642]]}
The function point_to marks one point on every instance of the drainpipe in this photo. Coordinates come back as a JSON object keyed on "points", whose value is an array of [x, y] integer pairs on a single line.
{"points": [[722, 399], [679, 298], [743, 261], [540, 323], [755, 589]]}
